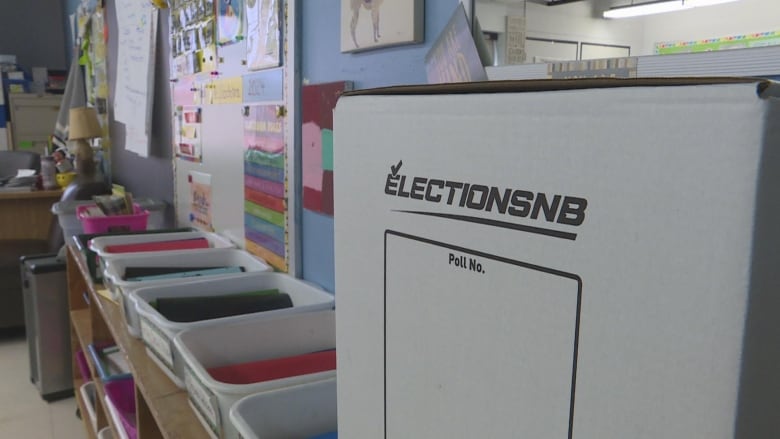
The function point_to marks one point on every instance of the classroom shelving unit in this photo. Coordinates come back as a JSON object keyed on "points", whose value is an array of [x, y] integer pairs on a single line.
{"points": [[162, 408]]}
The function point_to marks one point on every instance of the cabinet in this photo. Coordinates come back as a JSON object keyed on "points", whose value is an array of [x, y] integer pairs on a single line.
{"points": [[162, 408], [33, 118]]}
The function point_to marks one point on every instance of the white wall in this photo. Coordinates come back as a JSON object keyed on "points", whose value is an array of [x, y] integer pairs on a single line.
{"points": [[737, 18], [570, 22], [582, 21]]}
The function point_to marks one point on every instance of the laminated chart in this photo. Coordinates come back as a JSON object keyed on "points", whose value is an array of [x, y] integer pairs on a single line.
{"points": [[426, 282], [265, 202]]}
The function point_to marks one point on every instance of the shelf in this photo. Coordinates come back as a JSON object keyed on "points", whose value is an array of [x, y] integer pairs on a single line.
{"points": [[163, 408], [152, 381], [79, 318]]}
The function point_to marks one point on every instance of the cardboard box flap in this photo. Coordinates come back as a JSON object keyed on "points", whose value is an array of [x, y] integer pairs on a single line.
{"points": [[764, 87]]}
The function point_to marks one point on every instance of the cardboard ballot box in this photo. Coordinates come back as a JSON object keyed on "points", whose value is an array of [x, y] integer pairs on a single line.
{"points": [[559, 259]]}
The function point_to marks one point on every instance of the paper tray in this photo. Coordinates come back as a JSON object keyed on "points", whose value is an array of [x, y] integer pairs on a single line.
{"points": [[121, 289], [242, 342], [158, 332]]}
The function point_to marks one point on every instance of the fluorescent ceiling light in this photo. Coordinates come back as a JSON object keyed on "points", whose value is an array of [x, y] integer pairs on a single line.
{"points": [[657, 7]]}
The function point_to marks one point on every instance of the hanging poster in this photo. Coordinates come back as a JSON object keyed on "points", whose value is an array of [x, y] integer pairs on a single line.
{"points": [[230, 21], [192, 31], [265, 182], [200, 196], [262, 42], [756, 39], [187, 134], [319, 101], [137, 36]]}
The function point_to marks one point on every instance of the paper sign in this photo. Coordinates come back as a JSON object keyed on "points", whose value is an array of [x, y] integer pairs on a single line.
{"points": [[157, 342], [202, 399], [226, 91], [200, 194]]}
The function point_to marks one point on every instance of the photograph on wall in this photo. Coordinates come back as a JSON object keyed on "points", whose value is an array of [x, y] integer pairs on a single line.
{"points": [[200, 196], [187, 126], [319, 101], [370, 24], [192, 36], [230, 21], [263, 36], [265, 182]]}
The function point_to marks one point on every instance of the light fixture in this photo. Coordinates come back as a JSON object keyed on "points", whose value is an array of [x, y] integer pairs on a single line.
{"points": [[657, 7], [83, 126]]}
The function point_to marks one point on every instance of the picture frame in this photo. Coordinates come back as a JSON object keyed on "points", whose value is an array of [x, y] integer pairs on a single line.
{"points": [[372, 24]]}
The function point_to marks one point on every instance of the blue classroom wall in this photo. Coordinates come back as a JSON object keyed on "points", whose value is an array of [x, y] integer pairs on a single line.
{"points": [[322, 61]]}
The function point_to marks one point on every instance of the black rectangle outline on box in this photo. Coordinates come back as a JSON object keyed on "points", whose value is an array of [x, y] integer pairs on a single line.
{"points": [[498, 259]]}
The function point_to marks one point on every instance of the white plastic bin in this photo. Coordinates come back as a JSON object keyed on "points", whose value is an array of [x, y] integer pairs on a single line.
{"points": [[114, 413], [246, 341], [100, 244], [88, 396], [158, 332], [120, 289], [295, 412], [70, 224]]}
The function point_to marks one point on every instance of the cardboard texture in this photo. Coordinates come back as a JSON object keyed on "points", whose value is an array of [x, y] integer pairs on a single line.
{"points": [[559, 259]]}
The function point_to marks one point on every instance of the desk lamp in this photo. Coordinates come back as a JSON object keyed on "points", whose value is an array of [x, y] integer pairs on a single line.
{"points": [[83, 127]]}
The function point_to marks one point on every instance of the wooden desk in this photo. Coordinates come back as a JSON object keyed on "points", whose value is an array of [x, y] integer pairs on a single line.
{"points": [[27, 215]]}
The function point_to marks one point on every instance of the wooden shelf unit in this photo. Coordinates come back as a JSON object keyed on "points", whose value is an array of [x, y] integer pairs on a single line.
{"points": [[162, 408]]}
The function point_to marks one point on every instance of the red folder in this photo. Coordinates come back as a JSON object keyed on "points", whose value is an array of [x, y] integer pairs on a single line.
{"points": [[179, 244], [277, 368]]}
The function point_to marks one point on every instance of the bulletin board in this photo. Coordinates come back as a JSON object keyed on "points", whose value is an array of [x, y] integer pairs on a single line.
{"points": [[222, 95]]}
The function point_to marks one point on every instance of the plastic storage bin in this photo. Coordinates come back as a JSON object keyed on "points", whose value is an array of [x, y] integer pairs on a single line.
{"points": [[158, 332], [70, 224], [113, 223], [120, 400], [89, 396], [246, 341], [82, 243], [115, 271], [81, 362], [295, 412], [102, 245]]}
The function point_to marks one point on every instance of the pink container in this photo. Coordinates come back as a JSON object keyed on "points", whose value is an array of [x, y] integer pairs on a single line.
{"points": [[114, 223], [121, 393]]}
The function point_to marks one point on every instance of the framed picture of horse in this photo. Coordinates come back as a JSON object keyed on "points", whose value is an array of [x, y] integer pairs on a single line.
{"points": [[371, 24]]}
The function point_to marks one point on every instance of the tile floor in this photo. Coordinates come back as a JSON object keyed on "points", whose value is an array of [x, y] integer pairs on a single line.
{"points": [[23, 413]]}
